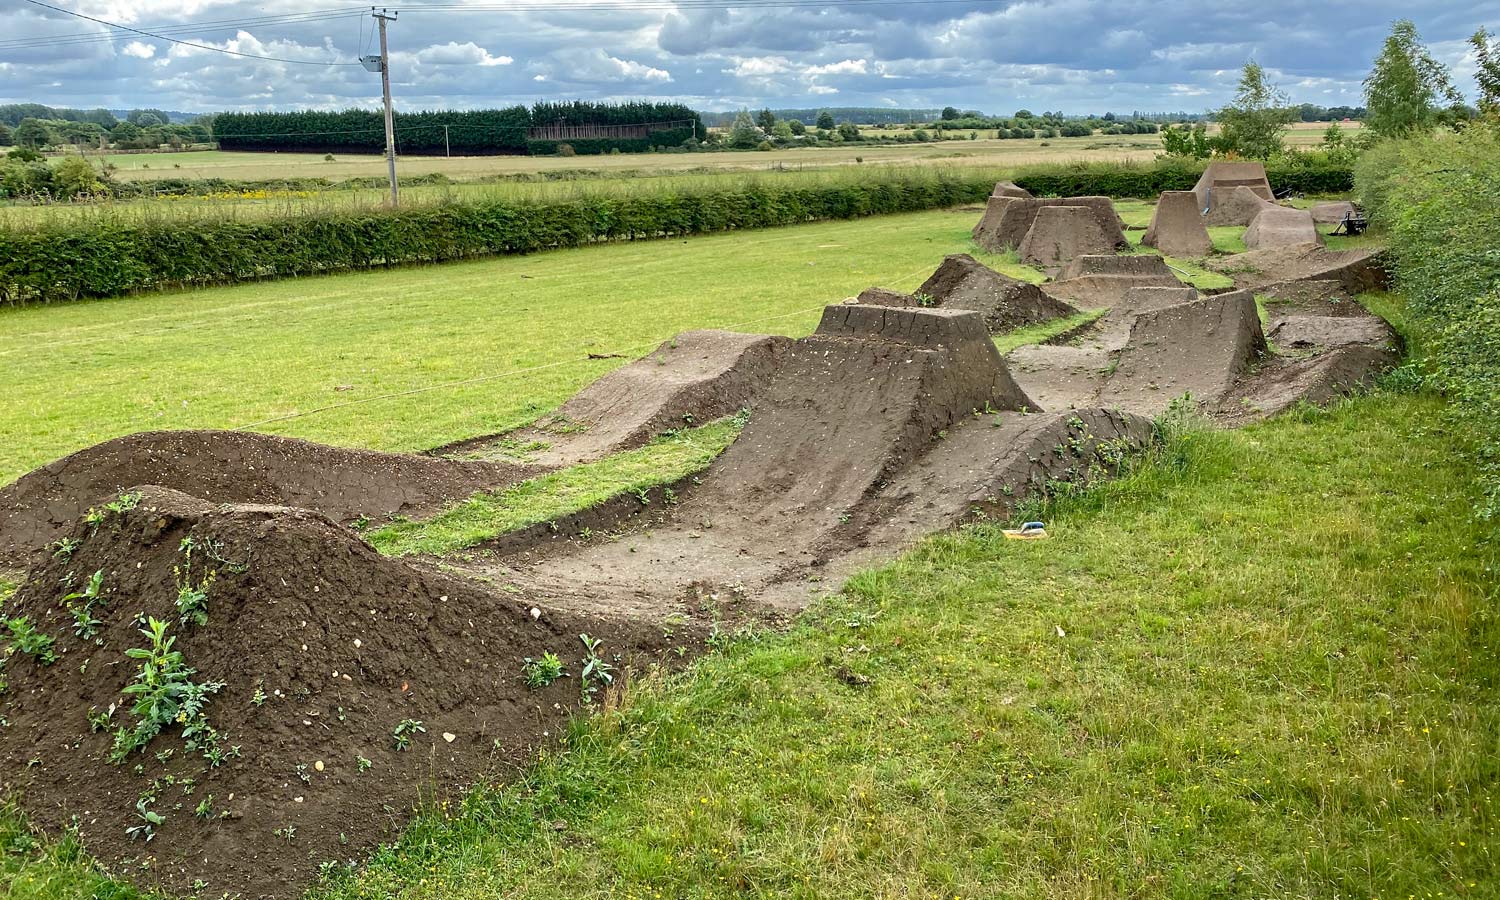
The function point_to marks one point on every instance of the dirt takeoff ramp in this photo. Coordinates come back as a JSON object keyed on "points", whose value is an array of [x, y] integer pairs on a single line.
{"points": [[320, 649], [1177, 228], [964, 283], [1219, 199], [1281, 226], [1283, 270], [694, 377], [1095, 280], [234, 467]]}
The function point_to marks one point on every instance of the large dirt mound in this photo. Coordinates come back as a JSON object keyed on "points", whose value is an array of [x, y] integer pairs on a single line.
{"points": [[1199, 349], [235, 467], [1332, 213], [322, 649], [1177, 227], [1270, 271], [1010, 189], [1317, 380], [1005, 303], [1218, 197], [1062, 233], [1239, 206], [1007, 220], [1095, 280], [1281, 226], [694, 377]]}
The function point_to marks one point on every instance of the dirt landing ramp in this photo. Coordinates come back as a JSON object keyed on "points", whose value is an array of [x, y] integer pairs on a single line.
{"points": [[1356, 271], [1239, 207], [342, 644], [962, 282], [1216, 186], [1177, 228], [1010, 189], [1298, 333], [1095, 280], [1063, 233], [235, 467], [1007, 220], [1198, 348], [1281, 226], [1318, 380], [696, 376]]}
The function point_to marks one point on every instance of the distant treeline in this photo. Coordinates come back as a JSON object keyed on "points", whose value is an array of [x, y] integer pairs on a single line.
{"points": [[857, 115], [13, 114], [468, 133]]}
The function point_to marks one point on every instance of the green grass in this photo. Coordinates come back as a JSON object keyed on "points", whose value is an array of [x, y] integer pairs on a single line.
{"points": [[1258, 667], [1045, 331], [81, 373], [485, 516]]}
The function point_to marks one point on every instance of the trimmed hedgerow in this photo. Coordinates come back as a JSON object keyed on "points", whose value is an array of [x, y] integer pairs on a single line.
{"points": [[1305, 173], [1438, 197], [106, 258]]}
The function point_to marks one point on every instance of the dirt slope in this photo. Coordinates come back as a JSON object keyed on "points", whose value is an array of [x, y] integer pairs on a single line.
{"points": [[1177, 227], [1005, 303]]}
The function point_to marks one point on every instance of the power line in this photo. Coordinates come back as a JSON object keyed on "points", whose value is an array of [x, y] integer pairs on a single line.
{"points": [[162, 37], [91, 37]]}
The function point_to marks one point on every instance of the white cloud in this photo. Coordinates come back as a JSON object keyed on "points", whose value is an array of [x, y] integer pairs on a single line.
{"points": [[139, 50], [456, 54], [847, 67], [822, 89]]}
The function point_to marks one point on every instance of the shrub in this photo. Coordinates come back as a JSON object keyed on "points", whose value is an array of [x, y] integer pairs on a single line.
{"points": [[566, 150], [1439, 199]]}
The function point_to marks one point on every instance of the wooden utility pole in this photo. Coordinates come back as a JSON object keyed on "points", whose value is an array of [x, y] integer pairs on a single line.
{"points": [[390, 120]]}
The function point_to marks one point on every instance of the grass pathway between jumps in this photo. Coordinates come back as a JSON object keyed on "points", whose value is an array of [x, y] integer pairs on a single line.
{"points": [[1260, 666]]}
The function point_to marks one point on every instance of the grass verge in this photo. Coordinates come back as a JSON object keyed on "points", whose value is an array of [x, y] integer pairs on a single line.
{"points": [[1043, 332], [486, 516]]}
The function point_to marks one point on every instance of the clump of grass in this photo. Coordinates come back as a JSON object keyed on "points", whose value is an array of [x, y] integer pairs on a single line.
{"points": [[1043, 332]]}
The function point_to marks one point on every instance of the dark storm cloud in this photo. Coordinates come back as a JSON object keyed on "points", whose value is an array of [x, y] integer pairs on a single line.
{"points": [[1076, 55]]}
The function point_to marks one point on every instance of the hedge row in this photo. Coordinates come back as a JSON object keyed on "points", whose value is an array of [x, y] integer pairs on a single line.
{"points": [[1439, 199], [105, 259], [1305, 173]]}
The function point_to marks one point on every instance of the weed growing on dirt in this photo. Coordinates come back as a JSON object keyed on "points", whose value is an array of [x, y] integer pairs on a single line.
{"points": [[80, 604], [98, 515], [402, 734], [192, 596], [596, 673], [165, 694], [146, 820], [26, 638], [543, 670]]}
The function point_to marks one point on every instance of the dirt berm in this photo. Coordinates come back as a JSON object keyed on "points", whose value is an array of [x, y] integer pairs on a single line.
{"points": [[1007, 220], [1270, 271], [692, 378], [234, 467], [321, 649]]}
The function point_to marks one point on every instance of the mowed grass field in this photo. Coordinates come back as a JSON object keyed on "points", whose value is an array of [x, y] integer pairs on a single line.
{"points": [[226, 357]]}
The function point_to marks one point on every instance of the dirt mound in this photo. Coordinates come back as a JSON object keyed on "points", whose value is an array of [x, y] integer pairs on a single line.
{"points": [[1319, 380], [235, 467], [1324, 294], [1007, 220], [321, 649], [1304, 333], [1177, 228], [879, 296], [1096, 280], [694, 377], [1239, 207], [1281, 226], [1216, 191], [1061, 233], [1356, 271], [1145, 299], [1198, 349], [1010, 189], [1332, 213], [962, 282], [1061, 377]]}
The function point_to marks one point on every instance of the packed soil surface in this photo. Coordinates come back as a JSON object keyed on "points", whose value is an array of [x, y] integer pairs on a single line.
{"points": [[1282, 226], [235, 467], [322, 649], [692, 378], [1177, 227], [1270, 271], [1094, 280]]}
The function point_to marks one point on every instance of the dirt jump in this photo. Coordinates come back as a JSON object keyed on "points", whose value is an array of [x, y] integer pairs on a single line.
{"points": [[1288, 269], [1177, 227], [332, 687], [1219, 199], [1010, 189], [1008, 220], [1281, 226]]}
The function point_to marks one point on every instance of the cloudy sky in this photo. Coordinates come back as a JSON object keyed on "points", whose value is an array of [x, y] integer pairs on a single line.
{"points": [[997, 56]]}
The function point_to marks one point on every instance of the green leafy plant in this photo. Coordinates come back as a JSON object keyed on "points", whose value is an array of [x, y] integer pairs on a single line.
{"points": [[147, 818], [596, 672], [25, 638], [402, 734], [192, 597], [63, 549], [80, 604], [164, 693], [543, 670]]}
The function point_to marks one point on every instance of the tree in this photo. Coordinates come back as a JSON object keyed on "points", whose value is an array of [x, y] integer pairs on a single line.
{"points": [[1487, 72], [781, 131], [149, 120], [849, 132], [75, 175], [825, 120], [743, 133], [950, 113], [32, 134], [135, 116], [1407, 86], [125, 135], [5, 138], [1190, 141], [1025, 114], [765, 119], [797, 127], [1253, 125]]}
